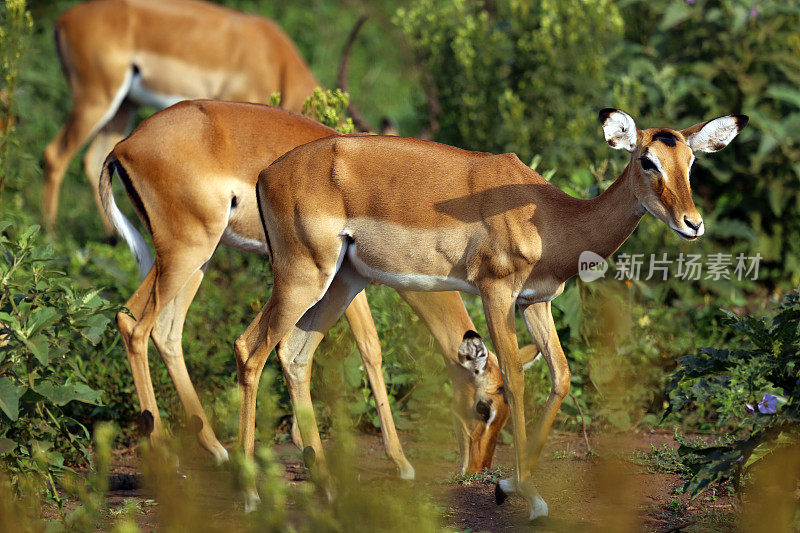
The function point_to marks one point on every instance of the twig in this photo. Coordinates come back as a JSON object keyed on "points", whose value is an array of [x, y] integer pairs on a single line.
{"points": [[358, 119], [406, 395], [583, 423]]}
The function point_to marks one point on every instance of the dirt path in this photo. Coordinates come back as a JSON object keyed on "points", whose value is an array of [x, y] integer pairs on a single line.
{"points": [[609, 491]]}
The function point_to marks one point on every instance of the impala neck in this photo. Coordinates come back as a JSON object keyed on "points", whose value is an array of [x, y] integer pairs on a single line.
{"points": [[604, 223]]}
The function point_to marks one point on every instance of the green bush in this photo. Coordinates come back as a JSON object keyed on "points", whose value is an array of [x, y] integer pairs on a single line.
{"points": [[46, 326], [757, 384], [690, 61], [517, 76]]}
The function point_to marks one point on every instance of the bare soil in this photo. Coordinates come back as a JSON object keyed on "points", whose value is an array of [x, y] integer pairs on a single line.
{"points": [[607, 490]]}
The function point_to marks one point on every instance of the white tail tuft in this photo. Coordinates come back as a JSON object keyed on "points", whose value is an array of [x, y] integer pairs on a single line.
{"points": [[137, 244]]}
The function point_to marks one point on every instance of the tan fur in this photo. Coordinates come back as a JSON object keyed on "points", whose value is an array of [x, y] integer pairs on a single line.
{"points": [[418, 215], [187, 164], [182, 49]]}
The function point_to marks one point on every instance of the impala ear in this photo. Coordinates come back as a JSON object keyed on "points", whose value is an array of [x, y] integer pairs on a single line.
{"points": [[619, 129], [472, 354], [714, 135]]}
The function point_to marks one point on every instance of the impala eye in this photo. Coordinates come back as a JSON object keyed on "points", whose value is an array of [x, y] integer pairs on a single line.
{"points": [[647, 165]]}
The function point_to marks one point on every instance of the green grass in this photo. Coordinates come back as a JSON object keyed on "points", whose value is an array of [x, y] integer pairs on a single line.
{"points": [[662, 460], [487, 475]]}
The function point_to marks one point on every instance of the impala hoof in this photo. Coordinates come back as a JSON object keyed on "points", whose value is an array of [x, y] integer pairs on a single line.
{"points": [[499, 494], [220, 456], [407, 472], [538, 508], [146, 423], [251, 501]]}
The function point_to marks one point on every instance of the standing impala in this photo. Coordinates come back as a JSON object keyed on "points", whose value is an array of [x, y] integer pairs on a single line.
{"points": [[118, 54], [190, 172], [343, 211]]}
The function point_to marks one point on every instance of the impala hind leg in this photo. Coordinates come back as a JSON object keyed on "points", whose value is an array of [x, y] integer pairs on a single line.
{"points": [[296, 352], [140, 369], [498, 304], [113, 132], [167, 335], [361, 322], [297, 287], [90, 113], [161, 285]]}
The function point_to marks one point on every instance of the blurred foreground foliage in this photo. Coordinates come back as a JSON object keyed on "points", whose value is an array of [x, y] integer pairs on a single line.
{"points": [[211, 499]]}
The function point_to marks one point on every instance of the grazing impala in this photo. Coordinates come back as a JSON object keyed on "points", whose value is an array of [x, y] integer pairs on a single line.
{"points": [[415, 215], [117, 54], [190, 172]]}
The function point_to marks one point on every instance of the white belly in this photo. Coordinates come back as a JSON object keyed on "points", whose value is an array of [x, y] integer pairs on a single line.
{"points": [[144, 96], [406, 281], [234, 240]]}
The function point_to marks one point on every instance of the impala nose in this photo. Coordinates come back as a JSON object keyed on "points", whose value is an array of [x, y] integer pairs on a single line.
{"points": [[695, 225]]}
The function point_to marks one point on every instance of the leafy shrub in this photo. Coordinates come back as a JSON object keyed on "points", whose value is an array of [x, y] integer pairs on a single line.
{"points": [[691, 61], [329, 108], [516, 76], [46, 325], [758, 384]]}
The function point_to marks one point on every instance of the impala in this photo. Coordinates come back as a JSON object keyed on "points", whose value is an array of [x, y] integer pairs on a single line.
{"points": [[118, 54], [190, 172], [415, 215]]}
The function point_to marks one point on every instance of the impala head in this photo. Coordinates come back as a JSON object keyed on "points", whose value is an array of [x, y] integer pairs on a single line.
{"points": [[481, 408], [661, 160]]}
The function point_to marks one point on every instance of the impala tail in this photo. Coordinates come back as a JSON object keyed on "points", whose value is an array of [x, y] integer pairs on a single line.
{"points": [[137, 244]]}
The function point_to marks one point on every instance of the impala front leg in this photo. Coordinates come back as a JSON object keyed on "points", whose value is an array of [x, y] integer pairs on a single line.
{"points": [[539, 319], [498, 304]]}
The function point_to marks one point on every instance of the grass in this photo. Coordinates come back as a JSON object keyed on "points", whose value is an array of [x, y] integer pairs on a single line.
{"points": [[487, 475], [661, 460]]}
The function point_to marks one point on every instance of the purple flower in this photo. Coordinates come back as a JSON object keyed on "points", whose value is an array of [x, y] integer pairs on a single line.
{"points": [[690, 2], [768, 404], [754, 13], [750, 408]]}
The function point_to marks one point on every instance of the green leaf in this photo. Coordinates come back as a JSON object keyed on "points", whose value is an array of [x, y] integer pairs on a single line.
{"points": [[569, 303], [95, 327], [676, 13], [9, 398], [7, 445], [91, 299], [785, 93], [63, 394], [760, 451], [10, 321], [41, 318], [39, 347], [352, 371]]}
